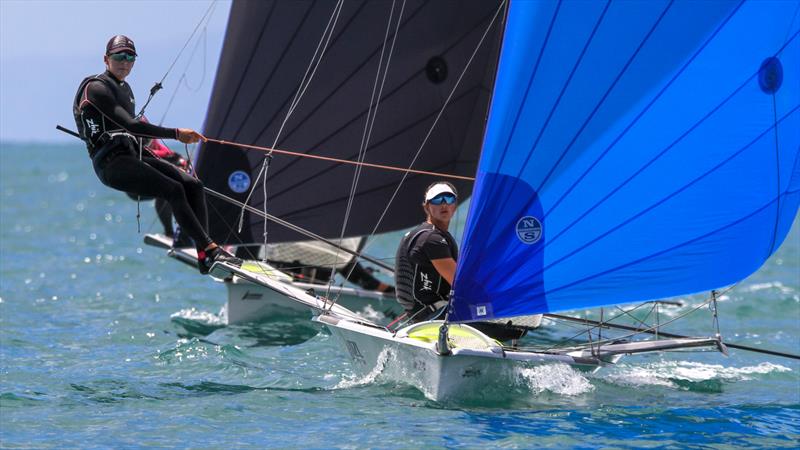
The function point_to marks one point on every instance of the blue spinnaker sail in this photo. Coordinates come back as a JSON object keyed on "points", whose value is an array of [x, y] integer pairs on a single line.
{"points": [[634, 151]]}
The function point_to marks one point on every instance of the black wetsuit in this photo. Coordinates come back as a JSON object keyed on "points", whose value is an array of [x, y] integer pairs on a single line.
{"points": [[104, 113]]}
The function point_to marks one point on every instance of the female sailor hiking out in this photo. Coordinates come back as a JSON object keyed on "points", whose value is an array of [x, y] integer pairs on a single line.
{"points": [[105, 117]]}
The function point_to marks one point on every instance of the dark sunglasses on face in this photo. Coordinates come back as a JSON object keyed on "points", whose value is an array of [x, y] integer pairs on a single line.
{"points": [[123, 56], [443, 198]]}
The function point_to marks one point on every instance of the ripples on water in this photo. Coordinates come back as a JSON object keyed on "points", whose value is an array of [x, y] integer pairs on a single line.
{"points": [[108, 343]]}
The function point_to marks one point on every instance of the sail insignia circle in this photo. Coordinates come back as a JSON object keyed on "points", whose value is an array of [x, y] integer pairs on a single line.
{"points": [[239, 181], [529, 230], [770, 75], [436, 70]]}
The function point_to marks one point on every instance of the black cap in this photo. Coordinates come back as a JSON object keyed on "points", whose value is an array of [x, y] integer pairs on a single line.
{"points": [[120, 43]]}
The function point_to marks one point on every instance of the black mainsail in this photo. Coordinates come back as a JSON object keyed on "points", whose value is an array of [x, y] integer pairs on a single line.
{"points": [[267, 49]]}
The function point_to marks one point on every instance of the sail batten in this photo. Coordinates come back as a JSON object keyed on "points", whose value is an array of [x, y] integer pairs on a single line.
{"points": [[642, 165]]}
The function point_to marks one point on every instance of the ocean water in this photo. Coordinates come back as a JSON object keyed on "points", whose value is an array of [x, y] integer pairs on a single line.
{"points": [[108, 343]]}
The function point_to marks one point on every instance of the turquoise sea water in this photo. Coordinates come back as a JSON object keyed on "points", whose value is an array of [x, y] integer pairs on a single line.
{"points": [[107, 343]]}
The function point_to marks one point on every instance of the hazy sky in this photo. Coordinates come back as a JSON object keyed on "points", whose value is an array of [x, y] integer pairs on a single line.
{"points": [[48, 46]]}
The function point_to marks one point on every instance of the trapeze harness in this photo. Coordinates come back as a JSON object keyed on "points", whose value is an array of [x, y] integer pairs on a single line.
{"points": [[104, 110], [417, 283]]}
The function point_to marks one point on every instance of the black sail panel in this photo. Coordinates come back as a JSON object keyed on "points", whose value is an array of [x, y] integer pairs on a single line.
{"points": [[267, 49]]}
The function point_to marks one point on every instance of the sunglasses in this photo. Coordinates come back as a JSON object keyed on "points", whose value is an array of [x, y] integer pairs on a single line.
{"points": [[123, 56], [442, 199]]}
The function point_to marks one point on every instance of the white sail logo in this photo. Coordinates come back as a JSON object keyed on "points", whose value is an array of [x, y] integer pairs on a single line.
{"points": [[239, 181], [529, 230]]}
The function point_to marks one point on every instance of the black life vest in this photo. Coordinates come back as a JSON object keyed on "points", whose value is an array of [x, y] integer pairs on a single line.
{"points": [[77, 110], [99, 124], [417, 282]]}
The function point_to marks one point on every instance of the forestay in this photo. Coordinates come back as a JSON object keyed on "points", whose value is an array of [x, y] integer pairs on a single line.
{"points": [[634, 150]]}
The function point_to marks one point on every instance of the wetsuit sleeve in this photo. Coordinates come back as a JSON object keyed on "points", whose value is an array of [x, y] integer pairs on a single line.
{"points": [[99, 96], [435, 246]]}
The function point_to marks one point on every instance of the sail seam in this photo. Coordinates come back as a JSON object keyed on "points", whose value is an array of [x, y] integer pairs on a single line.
{"points": [[390, 94], [646, 165], [644, 110], [662, 201], [274, 70], [530, 84], [363, 192], [628, 128], [433, 126], [597, 106], [604, 97], [301, 89], [375, 145], [729, 225], [372, 113], [268, 123], [575, 67], [563, 89], [249, 60]]}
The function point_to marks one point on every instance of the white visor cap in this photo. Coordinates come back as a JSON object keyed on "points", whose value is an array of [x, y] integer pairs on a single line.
{"points": [[436, 189]]}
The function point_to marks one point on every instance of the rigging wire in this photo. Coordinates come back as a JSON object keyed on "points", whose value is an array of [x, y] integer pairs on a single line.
{"points": [[369, 125], [550, 316], [304, 83], [337, 160], [293, 227], [430, 131], [159, 84], [183, 80], [649, 329], [267, 161]]}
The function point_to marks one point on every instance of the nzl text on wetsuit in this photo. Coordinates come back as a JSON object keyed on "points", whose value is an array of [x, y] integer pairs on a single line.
{"points": [[104, 113]]}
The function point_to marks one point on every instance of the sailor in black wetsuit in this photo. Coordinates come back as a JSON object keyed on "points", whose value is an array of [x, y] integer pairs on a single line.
{"points": [[425, 265], [105, 115], [426, 257]]}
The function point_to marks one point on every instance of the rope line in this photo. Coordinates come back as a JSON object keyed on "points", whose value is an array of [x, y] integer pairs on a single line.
{"points": [[343, 161], [158, 85]]}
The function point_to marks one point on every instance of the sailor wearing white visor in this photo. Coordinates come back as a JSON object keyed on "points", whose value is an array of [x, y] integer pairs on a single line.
{"points": [[426, 257]]}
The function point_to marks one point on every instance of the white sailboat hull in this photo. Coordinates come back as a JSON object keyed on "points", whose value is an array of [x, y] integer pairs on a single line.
{"points": [[272, 293], [251, 302], [469, 370], [464, 372]]}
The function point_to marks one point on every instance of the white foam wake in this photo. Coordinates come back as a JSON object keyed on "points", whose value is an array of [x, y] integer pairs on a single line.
{"points": [[203, 317], [665, 373], [556, 378], [777, 285], [350, 381]]}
